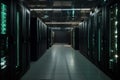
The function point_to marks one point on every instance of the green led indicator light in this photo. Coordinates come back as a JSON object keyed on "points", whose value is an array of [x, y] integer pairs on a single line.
{"points": [[3, 18]]}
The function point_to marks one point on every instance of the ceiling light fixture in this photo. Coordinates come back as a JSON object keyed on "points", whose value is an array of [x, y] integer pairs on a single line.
{"points": [[62, 23], [76, 9]]}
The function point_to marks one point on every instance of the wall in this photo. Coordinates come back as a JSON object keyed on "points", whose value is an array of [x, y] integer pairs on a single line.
{"points": [[62, 36]]}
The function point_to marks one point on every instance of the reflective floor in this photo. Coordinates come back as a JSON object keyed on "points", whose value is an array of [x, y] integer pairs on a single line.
{"points": [[61, 62]]}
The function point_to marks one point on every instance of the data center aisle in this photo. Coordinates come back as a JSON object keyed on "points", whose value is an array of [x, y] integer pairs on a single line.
{"points": [[61, 62]]}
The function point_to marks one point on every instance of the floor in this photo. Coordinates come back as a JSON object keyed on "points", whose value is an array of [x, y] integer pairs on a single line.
{"points": [[61, 62]]}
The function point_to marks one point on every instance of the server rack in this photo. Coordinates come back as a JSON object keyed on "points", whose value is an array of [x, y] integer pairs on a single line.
{"points": [[76, 31], [103, 39], [4, 39], [27, 30], [14, 39], [73, 38], [21, 42], [38, 38], [44, 37], [35, 34], [17, 31], [83, 37], [48, 37], [114, 47]]}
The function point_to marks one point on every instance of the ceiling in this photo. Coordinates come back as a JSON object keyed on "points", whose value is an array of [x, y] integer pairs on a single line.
{"points": [[71, 16]]}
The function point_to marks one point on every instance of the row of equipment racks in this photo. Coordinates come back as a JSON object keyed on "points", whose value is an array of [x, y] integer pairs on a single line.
{"points": [[22, 39], [99, 37]]}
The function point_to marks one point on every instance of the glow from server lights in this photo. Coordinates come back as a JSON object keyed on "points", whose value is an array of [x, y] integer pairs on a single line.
{"points": [[3, 18], [116, 22], [116, 45], [111, 60], [116, 31], [76, 9], [3, 63], [4, 67], [116, 11], [116, 36], [116, 56]]}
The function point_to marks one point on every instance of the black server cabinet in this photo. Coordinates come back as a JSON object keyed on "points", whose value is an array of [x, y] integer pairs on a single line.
{"points": [[35, 34], [76, 31], [44, 37], [80, 38], [38, 34], [118, 66], [85, 31], [4, 39], [27, 12], [25, 39], [20, 39], [14, 39], [99, 36], [17, 39], [91, 37], [114, 37], [48, 37]]}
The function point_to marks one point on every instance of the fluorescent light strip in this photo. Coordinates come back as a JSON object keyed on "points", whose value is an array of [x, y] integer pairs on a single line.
{"points": [[62, 22], [76, 9]]}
